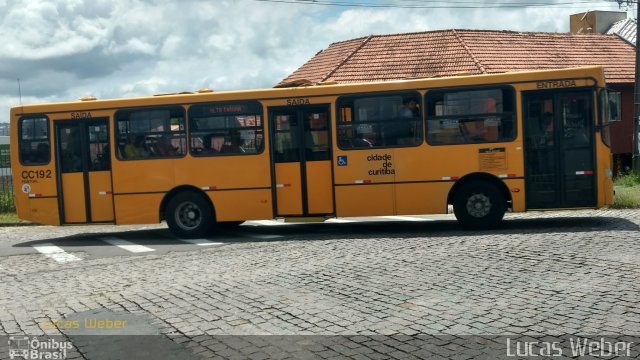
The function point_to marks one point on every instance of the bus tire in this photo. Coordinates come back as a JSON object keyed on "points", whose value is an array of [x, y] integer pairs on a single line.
{"points": [[479, 205], [189, 215]]}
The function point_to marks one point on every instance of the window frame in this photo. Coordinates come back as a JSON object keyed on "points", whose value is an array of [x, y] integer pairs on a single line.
{"points": [[352, 97], [514, 112], [49, 138], [260, 111], [117, 135]]}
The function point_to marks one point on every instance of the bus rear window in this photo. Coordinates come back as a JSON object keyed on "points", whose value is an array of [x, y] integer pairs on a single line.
{"points": [[470, 116], [35, 143]]}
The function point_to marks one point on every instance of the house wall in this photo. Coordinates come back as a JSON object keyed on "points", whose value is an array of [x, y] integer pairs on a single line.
{"points": [[622, 132], [595, 22]]}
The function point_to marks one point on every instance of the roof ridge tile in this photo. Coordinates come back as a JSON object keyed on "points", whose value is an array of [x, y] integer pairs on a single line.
{"points": [[466, 48]]}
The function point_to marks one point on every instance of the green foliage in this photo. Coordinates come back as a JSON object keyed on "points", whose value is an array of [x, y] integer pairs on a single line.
{"points": [[630, 179], [9, 218], [7, 202], [627, 197]]}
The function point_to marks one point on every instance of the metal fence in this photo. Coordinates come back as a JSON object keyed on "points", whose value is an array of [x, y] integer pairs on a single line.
{"points": [[7, 194]]}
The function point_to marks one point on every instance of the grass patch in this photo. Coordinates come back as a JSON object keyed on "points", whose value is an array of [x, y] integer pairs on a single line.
{"points": [[10, 218], [627, 197], [627, 180], [7, 203]]}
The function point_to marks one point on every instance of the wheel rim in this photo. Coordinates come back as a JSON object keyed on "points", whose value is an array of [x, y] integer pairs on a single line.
{"points": [[478, 205], [188, 216]]}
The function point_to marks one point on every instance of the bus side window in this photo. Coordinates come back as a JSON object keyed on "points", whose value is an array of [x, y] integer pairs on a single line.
{"points": [[470, 116], [225, 128], [378, 121], [151, 133]]}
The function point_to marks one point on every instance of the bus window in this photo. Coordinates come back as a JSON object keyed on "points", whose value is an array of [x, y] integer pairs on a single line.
{"points": [[150, 133], [34, 141], [99, 157], [471, 116], [225, 129], [379, 121]]}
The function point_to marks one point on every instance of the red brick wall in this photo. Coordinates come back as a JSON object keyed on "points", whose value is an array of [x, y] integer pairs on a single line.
{"points": [[622, 132]]}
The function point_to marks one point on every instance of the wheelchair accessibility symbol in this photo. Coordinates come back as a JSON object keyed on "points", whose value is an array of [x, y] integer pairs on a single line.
{"points": [[342, 161]]}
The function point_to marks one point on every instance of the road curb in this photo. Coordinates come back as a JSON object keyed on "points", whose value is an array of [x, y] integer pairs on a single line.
{"points": [[16, 224]]}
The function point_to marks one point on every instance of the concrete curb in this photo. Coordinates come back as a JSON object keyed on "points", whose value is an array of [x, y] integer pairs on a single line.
{"points": [[12, 224]]}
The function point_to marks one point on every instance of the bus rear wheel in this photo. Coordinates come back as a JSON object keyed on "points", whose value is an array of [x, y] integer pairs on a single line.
{"points": [[189, 215], [479, 205]]}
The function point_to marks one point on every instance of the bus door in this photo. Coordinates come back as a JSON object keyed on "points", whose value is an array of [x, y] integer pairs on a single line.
{"points": [[83, 165], [301, 154], [559, 149]]}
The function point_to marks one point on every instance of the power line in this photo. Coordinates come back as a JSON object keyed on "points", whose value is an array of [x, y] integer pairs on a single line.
{"points": [[439, 4]]}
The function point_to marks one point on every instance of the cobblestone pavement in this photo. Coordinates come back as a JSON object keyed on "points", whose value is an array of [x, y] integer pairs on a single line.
{"points": [[547, 273]]}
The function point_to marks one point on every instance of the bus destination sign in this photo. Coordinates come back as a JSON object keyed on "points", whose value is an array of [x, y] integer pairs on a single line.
{"points": [[555, 84], [220, 109]]}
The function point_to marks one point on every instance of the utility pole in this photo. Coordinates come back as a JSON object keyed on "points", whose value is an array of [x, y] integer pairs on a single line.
{"points": [[635, 156]]}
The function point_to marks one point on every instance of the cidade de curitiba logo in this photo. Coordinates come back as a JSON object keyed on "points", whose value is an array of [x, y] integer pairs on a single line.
{"points": [[31, 348]]}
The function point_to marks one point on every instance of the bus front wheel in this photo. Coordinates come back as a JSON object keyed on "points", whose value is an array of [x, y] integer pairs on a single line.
{"points": [[189, 215], [479, 205]]}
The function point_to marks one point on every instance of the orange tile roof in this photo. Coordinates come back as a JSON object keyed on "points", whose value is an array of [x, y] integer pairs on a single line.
{"points": [[451, 52]]}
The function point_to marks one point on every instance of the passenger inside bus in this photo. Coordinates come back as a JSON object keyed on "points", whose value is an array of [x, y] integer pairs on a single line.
{"points": [[216, 144], [42, 153], [163, 147], [410, 109], [135, 148]]}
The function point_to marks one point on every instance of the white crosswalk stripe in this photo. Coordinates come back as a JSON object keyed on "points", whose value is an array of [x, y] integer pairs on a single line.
{"points": [[405, 218], [266, 222], [339, 221], [55, 253], [127, 245], [201, 242]]}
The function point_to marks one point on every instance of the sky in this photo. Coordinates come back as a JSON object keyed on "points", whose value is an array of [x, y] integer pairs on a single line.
{"points": [[62, 50]]}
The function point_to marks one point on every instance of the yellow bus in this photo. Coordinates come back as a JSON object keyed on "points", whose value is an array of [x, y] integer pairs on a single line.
{"points": [[483, 144]]}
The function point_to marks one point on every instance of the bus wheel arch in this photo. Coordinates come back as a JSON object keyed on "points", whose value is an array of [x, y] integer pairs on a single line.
{"points": [[188, 211], [479, 200]]}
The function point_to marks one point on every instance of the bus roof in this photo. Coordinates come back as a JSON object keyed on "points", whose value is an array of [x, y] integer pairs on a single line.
{"points": [[595, 72]]}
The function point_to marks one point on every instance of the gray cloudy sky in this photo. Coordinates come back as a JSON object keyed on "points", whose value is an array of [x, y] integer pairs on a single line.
{"points": [[65, 49]]}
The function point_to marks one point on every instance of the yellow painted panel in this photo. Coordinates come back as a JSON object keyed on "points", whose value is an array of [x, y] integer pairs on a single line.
{"points": [[43, 211], [138, 208], [605, 183], [101, 196], [364, 200], [34, 180], [143, 175], [517, 190], [288, 189], [422, 198], [239, 205], [230, 172], [73, 198], [319, 187]]}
